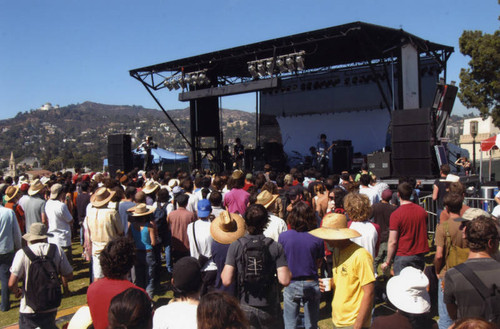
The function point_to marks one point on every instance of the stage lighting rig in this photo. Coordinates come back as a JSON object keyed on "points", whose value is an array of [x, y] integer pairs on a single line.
{"points": [[288, 63]]}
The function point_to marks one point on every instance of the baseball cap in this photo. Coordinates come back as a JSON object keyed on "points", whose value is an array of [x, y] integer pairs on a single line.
{"points": [[204, 208]]}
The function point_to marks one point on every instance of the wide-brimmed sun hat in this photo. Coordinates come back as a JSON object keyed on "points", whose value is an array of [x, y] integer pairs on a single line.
{"points": [[11, 192], [55, 190], [38, 231], [334, 227], [227, 228], [35, 187], [408, 291], [471, 214], [101, 197], [266, 199], [237, 174], [141, 209], [150, 187]]}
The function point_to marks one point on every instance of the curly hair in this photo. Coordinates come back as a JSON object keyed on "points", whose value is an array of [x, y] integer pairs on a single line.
{"points": [[479, 232], [117, 258], [357, 207], [302, 218], [219, 310]]}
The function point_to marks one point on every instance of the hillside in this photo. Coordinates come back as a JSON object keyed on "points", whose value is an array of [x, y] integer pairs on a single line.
{"points": [[76, 135]]}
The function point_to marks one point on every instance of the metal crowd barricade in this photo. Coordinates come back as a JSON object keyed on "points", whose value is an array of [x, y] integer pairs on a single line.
{"points": [[487, 204]]}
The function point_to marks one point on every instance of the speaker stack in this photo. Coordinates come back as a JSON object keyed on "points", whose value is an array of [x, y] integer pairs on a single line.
{"points": [[412, 143], [342, 156], [119, 153]]}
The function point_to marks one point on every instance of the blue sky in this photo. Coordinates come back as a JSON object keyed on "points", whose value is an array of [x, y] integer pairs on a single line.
{"points": [[67, 51]]}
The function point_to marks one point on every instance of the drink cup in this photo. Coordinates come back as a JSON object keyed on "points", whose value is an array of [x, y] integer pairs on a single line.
{"points": [[327, 282]]}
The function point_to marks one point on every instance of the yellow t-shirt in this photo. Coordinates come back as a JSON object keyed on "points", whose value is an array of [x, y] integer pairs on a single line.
{"points": [[354, 270]]}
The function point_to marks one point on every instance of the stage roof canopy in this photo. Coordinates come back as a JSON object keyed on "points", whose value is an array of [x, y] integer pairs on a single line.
{"points": [[356, 42]]}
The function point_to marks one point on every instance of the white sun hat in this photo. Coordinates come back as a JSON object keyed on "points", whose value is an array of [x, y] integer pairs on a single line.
{"points": [[408, 291]]}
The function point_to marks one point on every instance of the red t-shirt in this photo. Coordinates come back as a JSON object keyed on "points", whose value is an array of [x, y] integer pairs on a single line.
{"points": [[99, 295], [410, 220]]}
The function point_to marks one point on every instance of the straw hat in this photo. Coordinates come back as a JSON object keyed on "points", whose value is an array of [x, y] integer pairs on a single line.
{"points": [[227, 228], [450, 178], [101, 197], [11, 192], [35, 187], [266, 199], [237, 174], [141, 209], [408, 291], [38, 231], [150, 187], [471, 214], [55, 190], [335, 228]]}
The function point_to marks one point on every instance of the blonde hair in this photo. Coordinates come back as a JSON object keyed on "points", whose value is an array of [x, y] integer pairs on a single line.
{"points": [[357, 207]]}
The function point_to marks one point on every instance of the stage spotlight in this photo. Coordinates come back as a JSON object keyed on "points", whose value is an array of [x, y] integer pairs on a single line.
{"points": [[187, 78], [175, 83], [261, 68], [202, 78], [300, 63], [281, 65], [182, 82], [290, 63], [167, 84], [253, 71], [194, 79], [270, 67]]}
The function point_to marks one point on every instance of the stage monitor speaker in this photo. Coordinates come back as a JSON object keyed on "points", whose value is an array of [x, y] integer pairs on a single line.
{"points": [[341, 157], [119, 153], [206, 117], [412, 149], [379, 164]]}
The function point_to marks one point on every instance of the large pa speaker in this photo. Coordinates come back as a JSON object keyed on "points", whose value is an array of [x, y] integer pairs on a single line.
{"points": [[379, 164], [412, 146], [119, 153], [342, 156], [206, 117]]}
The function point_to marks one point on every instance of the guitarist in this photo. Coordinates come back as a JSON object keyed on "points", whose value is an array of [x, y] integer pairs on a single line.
{"points": [[322, 148]]}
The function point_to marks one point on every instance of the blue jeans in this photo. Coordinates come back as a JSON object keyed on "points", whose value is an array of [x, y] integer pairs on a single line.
{"points": [[5, 263], [306, 292], [416, 261], [144, 271], [444, 321]]}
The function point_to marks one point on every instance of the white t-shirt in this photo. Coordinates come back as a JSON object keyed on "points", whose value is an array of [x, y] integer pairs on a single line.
{"points": [[192, 205], [275, 227], [204, 241], [368, 238], [176, 315], [59, 219], [496, 211], [370, 193]]}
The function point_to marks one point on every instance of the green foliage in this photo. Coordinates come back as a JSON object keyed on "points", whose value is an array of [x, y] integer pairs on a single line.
{"points": [[480, 83]]}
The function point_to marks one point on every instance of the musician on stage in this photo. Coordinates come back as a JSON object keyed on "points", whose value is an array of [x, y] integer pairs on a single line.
{"points": [[322, 149], [147, 146], [239, 153]]}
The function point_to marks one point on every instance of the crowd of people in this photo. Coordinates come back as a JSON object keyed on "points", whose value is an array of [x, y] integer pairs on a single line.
{"points": [[247, 250]]}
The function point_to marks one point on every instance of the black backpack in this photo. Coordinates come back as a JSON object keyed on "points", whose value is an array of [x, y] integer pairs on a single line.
{"points": [[43, 289], [258, 274], [160, 218], [490, 295]]}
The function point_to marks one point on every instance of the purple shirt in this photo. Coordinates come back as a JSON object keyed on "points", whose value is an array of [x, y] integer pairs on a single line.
{"points": [[302, 250], [236, 201]]}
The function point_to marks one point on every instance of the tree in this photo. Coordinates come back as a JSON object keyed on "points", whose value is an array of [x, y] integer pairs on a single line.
{"points": [[480, 83]]}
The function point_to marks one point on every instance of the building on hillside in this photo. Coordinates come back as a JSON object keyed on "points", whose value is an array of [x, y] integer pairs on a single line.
{"points": [[48, 106], [12, 172], [486, 129]]}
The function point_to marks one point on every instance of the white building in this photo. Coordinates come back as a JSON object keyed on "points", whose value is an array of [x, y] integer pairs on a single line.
{"points": [[486, 129]]}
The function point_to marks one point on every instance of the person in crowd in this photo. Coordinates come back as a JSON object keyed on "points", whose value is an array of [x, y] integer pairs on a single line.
{"points": [[219, 310], [249, 181], [295, 195], [364, 171], [188, 187], [461, 294], [10, 242], [116, 261], [178, 221], [366, 189], [359, 210], [336, 201], [215, 199], [304, 253], [82, 201], [407, 233], [353, 277], [164, 235], [36, 239], [130, 309], [278, 208], [225, 229], [12, 195], [408, 293], [34, 207], [60, 221], [473, 323], [275, 225], [150, 189], [143, 231], [381, 215], [236, 200], [180, 312], [439, 188], [456, 188], [102, 225], [451, 250], [126, 204], [200, 245], [320, 199], [259, 293]]}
